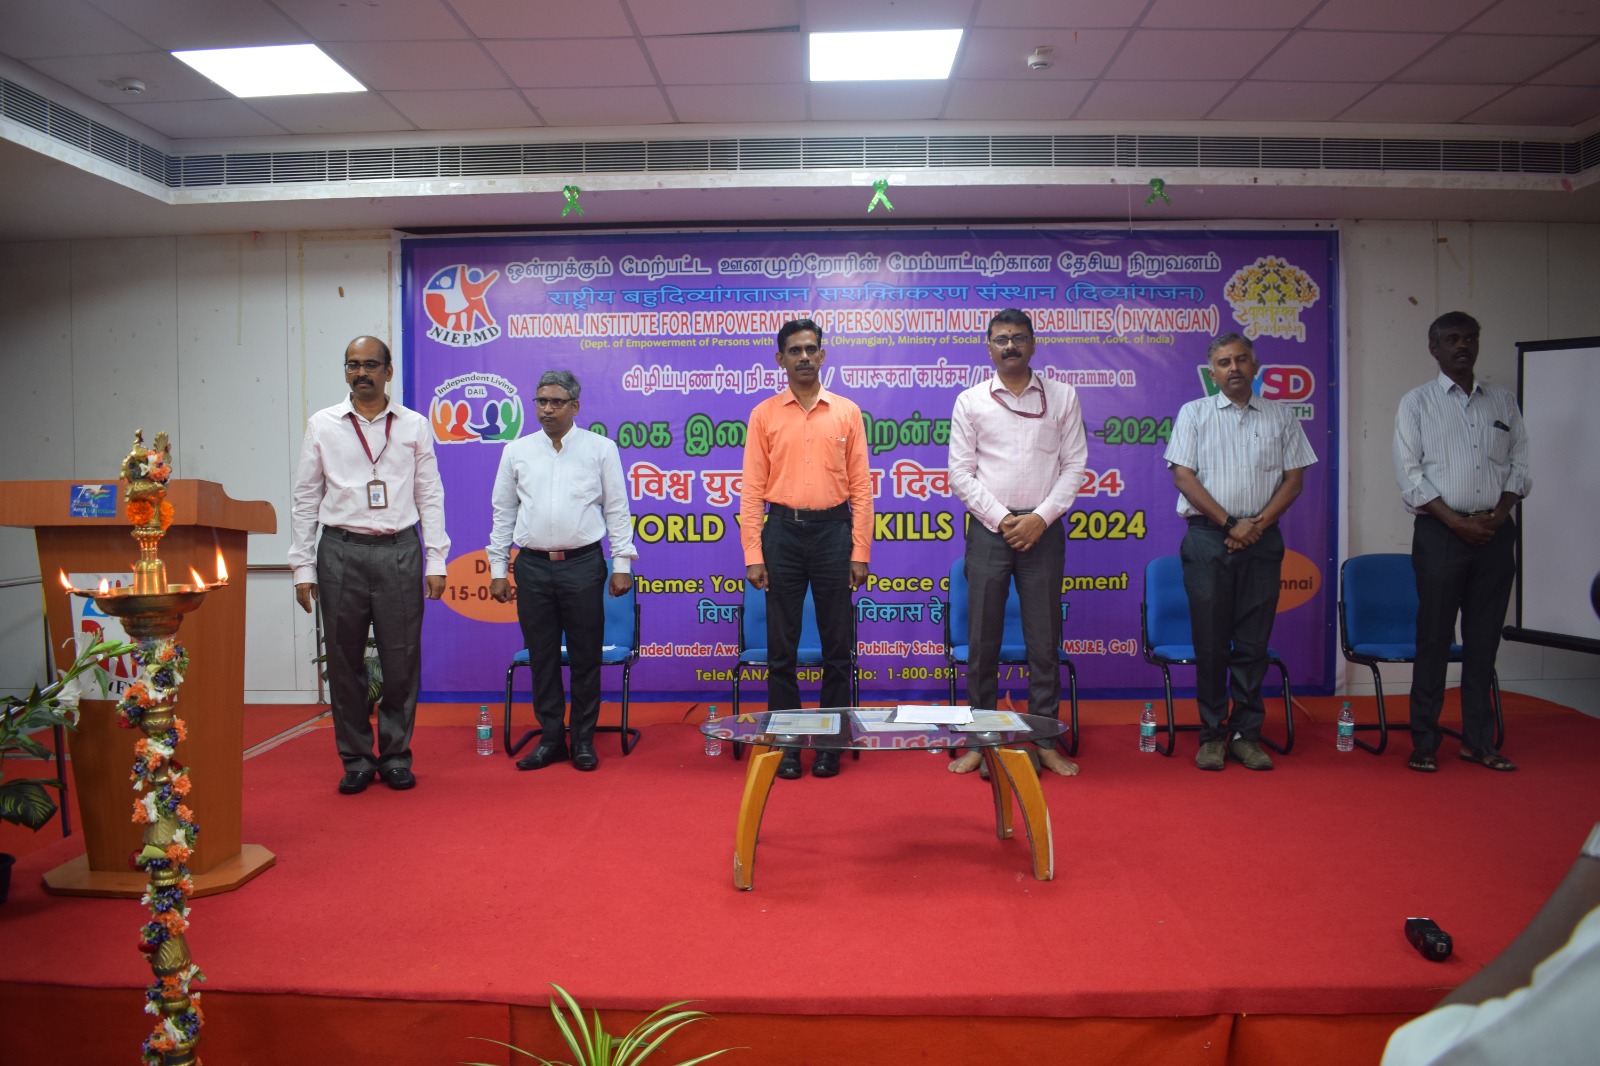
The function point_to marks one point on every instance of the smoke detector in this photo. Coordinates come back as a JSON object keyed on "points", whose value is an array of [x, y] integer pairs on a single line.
{"points": [[1042, 58]]}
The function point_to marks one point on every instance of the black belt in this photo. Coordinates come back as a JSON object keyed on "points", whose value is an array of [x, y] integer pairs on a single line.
{"points": [[837, 513], [1203, 522], [352, 537], [569, 553]]}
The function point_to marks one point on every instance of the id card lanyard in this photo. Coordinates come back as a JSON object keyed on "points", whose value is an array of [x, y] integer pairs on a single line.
{"points": [[377, 491]]}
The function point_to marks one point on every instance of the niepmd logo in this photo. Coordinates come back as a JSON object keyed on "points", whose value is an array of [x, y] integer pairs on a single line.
{"points": [[456, 302]]}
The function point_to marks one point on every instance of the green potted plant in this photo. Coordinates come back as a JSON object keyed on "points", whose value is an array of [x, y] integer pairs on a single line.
{"points": [[27, 802], [600, 1048]]}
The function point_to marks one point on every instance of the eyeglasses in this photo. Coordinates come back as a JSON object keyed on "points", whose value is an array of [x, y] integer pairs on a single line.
{"points": [[551, 401], [369, 365], [1010, 340]]}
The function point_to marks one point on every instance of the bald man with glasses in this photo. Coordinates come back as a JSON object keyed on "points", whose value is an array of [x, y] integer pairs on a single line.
{"points": [[1017, 454]]}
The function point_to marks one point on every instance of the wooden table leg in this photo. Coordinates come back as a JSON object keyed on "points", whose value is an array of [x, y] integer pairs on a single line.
{"points": [[1001, 787], [757, 784], [1035, 815]]}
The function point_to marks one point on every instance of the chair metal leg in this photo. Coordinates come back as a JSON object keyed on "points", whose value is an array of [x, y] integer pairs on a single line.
{"points": [[1172, 728], [1382, 725], [1499, 714], [512, 749], [1072, 701], [1288, 713], [629, 737]]}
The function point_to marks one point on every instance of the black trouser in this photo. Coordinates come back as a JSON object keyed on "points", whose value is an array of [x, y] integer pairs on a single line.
{"points": [[563, 601], [1455, 578], [1233, 598], [990, 563], [372, 582], [799, 554]]}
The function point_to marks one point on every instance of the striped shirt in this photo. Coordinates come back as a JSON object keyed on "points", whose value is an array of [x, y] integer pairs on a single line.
{"points": [[1003, 461], [1466, 450], [1238, 453]]}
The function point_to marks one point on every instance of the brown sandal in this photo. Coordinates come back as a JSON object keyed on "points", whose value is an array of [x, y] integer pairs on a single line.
{"points": [[1423, 764], [1491, 760]]}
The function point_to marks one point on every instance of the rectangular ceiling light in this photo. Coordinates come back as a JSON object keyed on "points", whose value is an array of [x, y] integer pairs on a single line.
{"points": [[895, 55], [273, 70]]}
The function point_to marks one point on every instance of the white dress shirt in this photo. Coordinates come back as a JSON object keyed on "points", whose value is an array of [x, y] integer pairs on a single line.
{"points": [[1464, 449], [553, 500], [330, 488], [1002, 461], [1238, 454]]}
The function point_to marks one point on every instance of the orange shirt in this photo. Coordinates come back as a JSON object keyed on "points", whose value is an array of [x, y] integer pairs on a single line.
{"points": [[808, 460]]}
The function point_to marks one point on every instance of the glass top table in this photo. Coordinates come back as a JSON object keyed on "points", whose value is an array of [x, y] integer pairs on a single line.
{"points": [[996, 735]]}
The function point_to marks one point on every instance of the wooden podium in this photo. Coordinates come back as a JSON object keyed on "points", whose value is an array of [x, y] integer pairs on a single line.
{"points": [[211, 701]]}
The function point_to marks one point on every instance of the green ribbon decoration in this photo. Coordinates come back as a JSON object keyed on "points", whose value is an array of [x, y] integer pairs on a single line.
{"points": [[879, 193], [571, 192], [1157, 188]]}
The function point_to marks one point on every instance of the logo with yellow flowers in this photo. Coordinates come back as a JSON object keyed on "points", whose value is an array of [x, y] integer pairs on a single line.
{"points": [[1267, 297]]}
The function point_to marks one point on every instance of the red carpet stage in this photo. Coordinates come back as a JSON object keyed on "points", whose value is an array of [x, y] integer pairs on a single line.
{"points": [[1195, 918]]}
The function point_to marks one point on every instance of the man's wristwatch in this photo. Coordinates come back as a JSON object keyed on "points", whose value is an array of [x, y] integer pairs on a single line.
{"points": [[1591, 847], [1227, 527]]}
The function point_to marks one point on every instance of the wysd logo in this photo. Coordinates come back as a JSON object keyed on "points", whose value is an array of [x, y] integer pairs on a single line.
{"points": [[1284, 383], [456, 302], [475, 407]]}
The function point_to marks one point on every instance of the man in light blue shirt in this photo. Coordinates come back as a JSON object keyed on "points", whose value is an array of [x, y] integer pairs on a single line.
{"points": [[1238, 462], [1461, 458]]}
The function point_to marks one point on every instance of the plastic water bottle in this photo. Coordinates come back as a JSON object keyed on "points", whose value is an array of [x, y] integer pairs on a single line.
{"points": [[1347, 729], [1147, 729], [713, 744], [485, 731]]}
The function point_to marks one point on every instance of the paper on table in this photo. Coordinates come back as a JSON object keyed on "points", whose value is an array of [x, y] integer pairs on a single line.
{"points": [[879, 720], [993, 722], [932, 714], [796, 723]]}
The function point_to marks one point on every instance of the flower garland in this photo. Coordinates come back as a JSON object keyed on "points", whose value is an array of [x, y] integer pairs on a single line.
{"points": [[163, 782]]}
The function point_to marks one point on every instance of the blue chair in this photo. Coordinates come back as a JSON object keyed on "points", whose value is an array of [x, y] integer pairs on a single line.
{"points": [[619, 647], [1168, 640], [1013, 652], [1378, 624], [752, 621]]}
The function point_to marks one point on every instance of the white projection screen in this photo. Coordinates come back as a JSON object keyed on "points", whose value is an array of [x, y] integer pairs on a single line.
{"points": [[1559, 560]]}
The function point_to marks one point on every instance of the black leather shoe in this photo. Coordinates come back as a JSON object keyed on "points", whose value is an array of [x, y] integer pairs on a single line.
{"points": [[542, 756], [399, 778], [827, 764], [789, 765], [355, 781], [583, 756]]}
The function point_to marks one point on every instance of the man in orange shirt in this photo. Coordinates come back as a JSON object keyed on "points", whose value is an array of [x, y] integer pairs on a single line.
{"points": [[805, 462]]}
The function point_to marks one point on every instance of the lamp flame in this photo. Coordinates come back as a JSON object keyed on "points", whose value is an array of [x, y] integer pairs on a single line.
{"points": [[105, 587], [222, 569], [199, 582], [64, 582]]}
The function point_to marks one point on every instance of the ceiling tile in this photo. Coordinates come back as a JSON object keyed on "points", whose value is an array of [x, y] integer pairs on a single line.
{"points": [[1541, 105], [751, 103], [1003, 54], [1276, 101], [1540, 16], [418, 64], [714, 16], [164, 77], [1016, 101], [1420, 103], [1082, 14], [545, 19], [833, 16], [570, 63], [879, 101], [375, 20], [1581, 69], [1145, 101], [1316, 55], [1197, 54], [1438, 16], [464, 109], [1493, 60], [1228, 14], [184, 119], [339, 113], [601, 107], [32, 28], [735, 59], [174, 24]]}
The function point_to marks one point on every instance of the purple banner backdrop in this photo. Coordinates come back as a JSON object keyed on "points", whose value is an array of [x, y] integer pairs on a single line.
{"points": [[672, 337]]}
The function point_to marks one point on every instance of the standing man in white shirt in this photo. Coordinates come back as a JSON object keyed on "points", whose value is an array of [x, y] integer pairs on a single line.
{"points": [[1017, 454], [558, 494], [368, 477], [1238, 462], [1461, 457]]}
